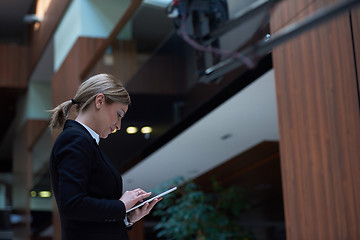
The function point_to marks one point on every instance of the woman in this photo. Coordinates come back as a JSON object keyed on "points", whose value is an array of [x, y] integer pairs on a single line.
{"points": [[87, 187]]}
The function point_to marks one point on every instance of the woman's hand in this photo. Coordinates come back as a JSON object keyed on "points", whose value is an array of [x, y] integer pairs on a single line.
{"points": [[140, 212], [130, 198]]}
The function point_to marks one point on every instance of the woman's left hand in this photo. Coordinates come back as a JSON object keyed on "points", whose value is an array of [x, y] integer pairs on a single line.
{"points": [[140, 212]]}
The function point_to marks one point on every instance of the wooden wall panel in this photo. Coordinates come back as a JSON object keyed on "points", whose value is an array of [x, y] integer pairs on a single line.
{"points": [[289, 11], [13, 68], [319, 129]]}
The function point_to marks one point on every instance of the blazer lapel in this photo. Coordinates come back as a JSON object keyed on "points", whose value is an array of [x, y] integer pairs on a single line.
{"points": [[110, 167]]}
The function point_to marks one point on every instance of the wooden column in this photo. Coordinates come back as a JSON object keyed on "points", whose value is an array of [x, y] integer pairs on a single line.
{"points": [[319, 124]]}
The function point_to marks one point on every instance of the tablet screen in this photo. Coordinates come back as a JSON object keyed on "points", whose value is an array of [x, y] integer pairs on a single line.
{"points": [[149, 200]]}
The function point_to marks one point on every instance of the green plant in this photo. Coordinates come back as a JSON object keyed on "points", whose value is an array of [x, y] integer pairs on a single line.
{"points": [[191, 213]]}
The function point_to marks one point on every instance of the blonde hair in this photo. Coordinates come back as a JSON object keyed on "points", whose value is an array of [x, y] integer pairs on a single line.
{"points": [[106, 84]]}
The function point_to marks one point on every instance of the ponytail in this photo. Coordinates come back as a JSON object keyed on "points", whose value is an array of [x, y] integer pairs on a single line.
{"points": [[59, 115]]}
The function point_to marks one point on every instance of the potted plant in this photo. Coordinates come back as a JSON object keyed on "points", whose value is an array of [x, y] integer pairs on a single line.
{"points": [[192, 213]]}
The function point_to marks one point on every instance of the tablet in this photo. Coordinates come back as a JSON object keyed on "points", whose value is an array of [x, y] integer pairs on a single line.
{"points": [[149, 200]]}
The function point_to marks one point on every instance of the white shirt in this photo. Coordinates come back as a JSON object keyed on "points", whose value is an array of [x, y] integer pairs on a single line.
{"points": [[92, 132]]}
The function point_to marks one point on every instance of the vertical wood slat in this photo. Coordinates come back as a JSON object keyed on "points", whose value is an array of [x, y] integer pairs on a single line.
{"points": [[319, 129]]}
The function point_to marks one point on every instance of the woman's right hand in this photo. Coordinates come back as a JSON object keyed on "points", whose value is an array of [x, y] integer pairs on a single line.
{"points": [[130, 198]]}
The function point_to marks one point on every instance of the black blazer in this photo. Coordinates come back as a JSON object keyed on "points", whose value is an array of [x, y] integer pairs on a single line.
{"points": [[87, 187]]}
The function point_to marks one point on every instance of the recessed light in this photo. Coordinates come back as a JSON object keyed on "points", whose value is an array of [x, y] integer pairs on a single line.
{"points": [[226, 136], [33, 194], [193, 171], [146, 130], [45, 194], [131, 130]]}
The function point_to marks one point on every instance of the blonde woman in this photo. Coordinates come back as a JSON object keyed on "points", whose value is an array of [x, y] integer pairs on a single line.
{"points": [[87, 187]]}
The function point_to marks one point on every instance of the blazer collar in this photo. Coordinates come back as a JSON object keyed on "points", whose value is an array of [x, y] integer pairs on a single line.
{"points": [[77, 126], [92, 133]]}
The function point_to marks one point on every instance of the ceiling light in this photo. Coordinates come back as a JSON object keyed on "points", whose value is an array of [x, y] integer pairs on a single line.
{"points": [[226, 136], [131, 130], [33, 193], [45, 194], [146, 130]]}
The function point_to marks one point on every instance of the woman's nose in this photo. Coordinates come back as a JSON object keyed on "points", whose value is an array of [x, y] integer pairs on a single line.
{"points": [[118, 125]]}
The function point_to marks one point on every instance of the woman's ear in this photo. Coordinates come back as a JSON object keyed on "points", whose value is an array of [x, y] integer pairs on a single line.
{"points": [[99, 100]]}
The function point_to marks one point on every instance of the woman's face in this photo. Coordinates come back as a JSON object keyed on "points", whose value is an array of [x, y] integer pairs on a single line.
{"points": [[111, 116]]}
